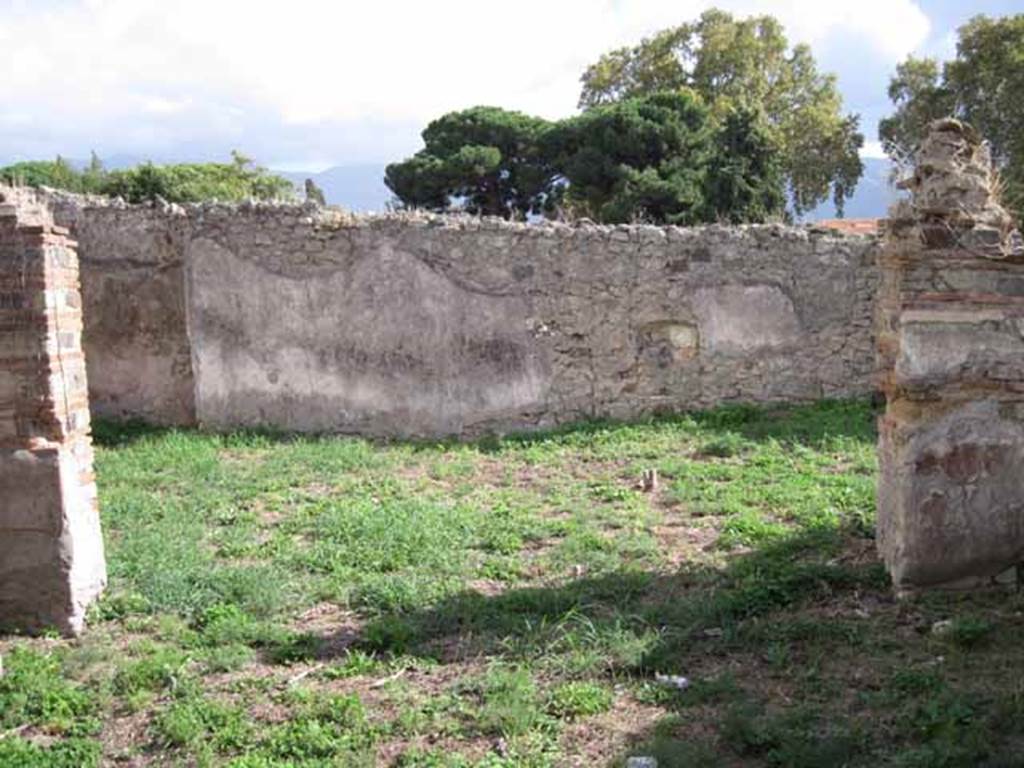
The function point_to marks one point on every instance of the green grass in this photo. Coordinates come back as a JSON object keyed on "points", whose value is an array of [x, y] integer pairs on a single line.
{"points": [[298, 601]]}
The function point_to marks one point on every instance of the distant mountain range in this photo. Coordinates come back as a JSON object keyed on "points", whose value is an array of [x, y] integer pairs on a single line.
{"points": [[361, 188], [354, 187]]}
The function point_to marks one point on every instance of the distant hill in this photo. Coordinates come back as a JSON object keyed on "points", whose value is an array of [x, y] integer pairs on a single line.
{"points": [[361, 188], [354, 187]]}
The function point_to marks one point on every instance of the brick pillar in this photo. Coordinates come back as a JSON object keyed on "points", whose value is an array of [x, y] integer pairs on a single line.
{"points": [[51, 550], [951, 352]]}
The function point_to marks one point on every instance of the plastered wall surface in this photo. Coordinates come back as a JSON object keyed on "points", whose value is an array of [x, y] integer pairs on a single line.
{"points": [[416, 325], [133, 290]]}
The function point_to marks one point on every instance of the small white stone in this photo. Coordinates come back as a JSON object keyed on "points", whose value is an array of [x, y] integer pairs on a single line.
{"points": [[940, 628], [673, 681]]}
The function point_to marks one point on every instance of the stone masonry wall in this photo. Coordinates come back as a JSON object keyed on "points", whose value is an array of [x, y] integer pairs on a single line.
{"points": [[951, 343], [51, 550], [307, 319], [133, 289]]}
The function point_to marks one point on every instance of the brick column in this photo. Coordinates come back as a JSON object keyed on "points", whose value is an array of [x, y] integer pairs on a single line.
{"points": [[51, 549], [951, 352]]}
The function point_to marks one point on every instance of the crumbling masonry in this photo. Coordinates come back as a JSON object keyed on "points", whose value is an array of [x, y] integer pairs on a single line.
{"points": [[51, 550], [951, 342]]}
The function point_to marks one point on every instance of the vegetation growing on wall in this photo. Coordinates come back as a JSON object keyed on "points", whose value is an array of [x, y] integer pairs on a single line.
{"points": [[241, 179], [983, 85]]}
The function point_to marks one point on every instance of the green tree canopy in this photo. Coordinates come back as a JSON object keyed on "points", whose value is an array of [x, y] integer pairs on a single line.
{"points": [[746, 64], [657, 158], [489, 158], [983, 85], [238, 180], [641, 158], [58, 174], [744, 181]]}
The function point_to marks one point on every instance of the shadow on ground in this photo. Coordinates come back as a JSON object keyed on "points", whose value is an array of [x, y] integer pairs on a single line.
{"points": [[796, 655], [795, 600]]}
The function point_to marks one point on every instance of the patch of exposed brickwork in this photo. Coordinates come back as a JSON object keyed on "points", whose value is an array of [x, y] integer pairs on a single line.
{"points": [[51, 551], [852, 226]]}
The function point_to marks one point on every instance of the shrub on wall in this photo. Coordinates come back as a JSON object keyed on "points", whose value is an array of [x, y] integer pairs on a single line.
{"points": [[58, 174], [195, 182], [238, 180]]}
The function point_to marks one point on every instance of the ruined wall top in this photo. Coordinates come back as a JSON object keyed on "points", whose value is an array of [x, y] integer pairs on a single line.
{"points": [[68, 206], [955, 195], [30, 206]]}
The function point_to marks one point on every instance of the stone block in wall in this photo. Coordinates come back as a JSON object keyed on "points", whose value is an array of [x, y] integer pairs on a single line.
{"points": [[951, 352], [51, 550]]}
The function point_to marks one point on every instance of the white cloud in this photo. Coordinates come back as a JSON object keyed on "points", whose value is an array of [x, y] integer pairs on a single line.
{"points": [[943, 48], [158, 106], [872, 150], [156, 70]]}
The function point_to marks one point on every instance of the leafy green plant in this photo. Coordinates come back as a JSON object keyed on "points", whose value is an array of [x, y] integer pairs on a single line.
{"points": [[33, 690], [511, 703], [68, 753], [194, 721], [579, 699], [970, 631], [158, 669]]}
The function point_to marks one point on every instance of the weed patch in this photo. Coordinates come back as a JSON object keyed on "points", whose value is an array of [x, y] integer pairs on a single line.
{"points": [[283, 600]]}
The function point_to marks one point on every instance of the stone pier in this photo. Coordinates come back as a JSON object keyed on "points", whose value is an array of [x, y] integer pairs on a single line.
{"points": [[951, 353], [51, 550]]}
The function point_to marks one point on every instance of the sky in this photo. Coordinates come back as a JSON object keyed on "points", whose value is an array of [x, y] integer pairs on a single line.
{"points": [[308, 84]]}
